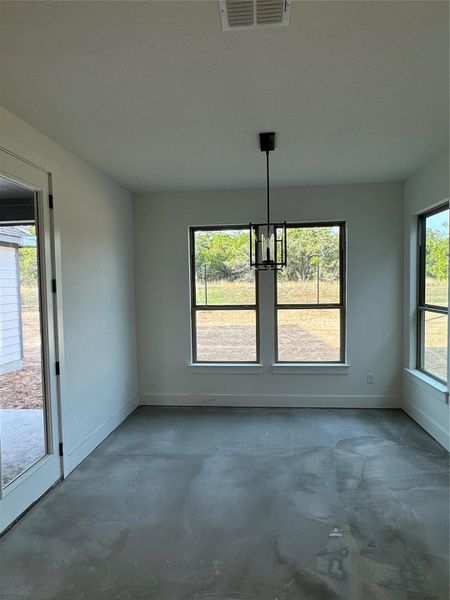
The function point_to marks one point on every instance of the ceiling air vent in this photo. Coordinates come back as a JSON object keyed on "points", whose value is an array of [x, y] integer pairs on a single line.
{"points": [[247, 14]]}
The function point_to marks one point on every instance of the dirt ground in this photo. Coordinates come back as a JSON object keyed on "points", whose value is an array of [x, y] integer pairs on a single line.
{"points": [[23, 388], [217, 343]]}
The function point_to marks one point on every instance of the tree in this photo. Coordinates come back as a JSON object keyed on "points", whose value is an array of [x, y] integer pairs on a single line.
{"points": [[437, 254], [308, 248], [224, 255], [28, 265]]}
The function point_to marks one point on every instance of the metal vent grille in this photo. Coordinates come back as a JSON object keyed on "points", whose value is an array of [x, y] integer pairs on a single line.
{"points": [[240, 13], [248, 14], [269, 11]]}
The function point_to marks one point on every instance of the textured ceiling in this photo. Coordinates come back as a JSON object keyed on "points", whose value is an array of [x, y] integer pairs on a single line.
{"points": [[157, 96]]}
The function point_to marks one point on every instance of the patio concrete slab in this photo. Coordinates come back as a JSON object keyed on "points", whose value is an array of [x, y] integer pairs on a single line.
{"points": [[22, 440]]}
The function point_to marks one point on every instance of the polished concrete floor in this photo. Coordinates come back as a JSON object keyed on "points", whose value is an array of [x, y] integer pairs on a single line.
{"points": [[222, 504]]}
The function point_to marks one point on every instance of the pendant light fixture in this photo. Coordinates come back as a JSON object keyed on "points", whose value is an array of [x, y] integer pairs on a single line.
{"points": [[268, 240]]}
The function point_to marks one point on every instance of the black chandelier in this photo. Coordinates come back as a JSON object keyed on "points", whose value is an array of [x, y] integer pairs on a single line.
{"points": [[268, 240]]}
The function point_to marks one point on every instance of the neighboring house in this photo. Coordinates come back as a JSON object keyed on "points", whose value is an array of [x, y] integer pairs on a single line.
{"points": [[11, 334]]}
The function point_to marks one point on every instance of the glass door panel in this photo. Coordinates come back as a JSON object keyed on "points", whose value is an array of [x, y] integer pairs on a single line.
{"points": [[23, 429]]}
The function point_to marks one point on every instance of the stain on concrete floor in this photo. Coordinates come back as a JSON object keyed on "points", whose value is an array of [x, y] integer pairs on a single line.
{"points": [[223, 504]]}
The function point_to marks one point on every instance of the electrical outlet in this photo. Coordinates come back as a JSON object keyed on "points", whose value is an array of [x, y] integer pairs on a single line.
{"points": [[370, 378]]}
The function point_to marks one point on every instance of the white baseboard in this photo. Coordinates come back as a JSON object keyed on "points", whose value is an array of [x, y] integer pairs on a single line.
{"points": [[436, 430], [271, 401], [76, 455]]}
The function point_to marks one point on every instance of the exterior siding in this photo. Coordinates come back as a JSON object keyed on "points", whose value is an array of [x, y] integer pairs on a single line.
{"points": [[10, 320]]}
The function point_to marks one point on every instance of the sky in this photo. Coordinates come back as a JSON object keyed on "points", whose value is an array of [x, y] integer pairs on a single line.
{"points": [[439, 222]]}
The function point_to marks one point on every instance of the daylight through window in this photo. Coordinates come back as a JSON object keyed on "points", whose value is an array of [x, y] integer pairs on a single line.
{"points": [[310, 295], [433, 254], [224, 296]]}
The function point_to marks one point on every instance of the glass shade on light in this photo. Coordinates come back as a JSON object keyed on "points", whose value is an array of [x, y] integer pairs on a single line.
{"points": [[268, 246]]}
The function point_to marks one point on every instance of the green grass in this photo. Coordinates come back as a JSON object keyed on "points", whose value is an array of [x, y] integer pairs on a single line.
{"points": [[322, 324], [226, 292], [289, 292], [29, 295], [436, 292], [308, 292]]}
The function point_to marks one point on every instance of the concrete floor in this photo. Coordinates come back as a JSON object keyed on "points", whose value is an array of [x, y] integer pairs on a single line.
{"points": [[220, 504]]}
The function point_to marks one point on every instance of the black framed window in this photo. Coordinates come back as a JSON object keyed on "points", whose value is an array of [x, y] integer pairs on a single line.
{"points": [[224, 296], [432, 308], [310, 295]]}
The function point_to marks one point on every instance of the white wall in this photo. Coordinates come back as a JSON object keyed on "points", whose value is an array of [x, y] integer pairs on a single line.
{"points": [[374, 217], [426, 402], [93, 218]]}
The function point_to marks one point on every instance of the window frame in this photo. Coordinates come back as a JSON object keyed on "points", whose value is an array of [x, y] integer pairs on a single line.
{"points": [[341, 305], [205, 307], [421, 306]]}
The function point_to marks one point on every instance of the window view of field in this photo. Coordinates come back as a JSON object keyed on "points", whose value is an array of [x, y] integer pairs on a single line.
{"points": [[435, 329], [436, 259], [226, 335], [435, 344], [312, 272], [309, 335], [222, 268], [224, 278]]}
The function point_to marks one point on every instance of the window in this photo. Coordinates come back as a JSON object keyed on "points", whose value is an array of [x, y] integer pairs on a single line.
{"points": [[224, 296], [310, 295], [432, 310]]}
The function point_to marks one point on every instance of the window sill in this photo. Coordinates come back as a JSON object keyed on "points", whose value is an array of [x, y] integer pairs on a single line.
{"points": [[312, 368], [429, 384], [230, 367]]}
